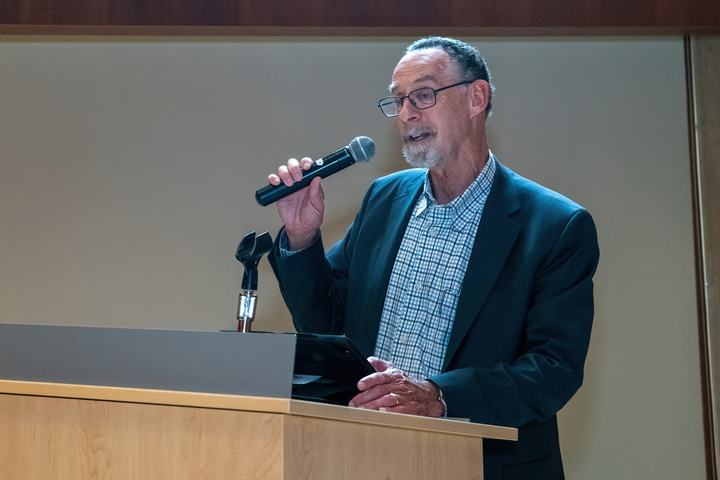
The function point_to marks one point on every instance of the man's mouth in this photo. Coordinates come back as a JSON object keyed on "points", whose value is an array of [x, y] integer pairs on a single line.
{"points": [[418, 136]]}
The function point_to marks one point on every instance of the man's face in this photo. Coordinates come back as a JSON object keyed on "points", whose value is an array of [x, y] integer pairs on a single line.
{"points": [[432, 136]]}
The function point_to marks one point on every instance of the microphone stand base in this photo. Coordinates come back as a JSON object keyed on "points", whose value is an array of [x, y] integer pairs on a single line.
{"points": [[244, 325]]}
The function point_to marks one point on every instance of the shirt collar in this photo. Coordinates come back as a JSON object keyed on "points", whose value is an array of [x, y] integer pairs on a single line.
{"points": [[474, 196]]}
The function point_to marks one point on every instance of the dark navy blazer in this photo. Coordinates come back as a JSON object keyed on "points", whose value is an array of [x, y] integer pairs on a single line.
{"points": [[522, 326]]}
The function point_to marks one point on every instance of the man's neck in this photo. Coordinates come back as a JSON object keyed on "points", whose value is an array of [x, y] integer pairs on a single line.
{"points": [[452, 178]]}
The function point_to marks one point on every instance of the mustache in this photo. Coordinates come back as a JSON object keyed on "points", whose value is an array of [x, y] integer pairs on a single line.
{"points": [[416, 131]]}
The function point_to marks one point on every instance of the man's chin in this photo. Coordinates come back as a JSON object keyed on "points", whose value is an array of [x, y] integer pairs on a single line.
{"points": [[420, 159]]}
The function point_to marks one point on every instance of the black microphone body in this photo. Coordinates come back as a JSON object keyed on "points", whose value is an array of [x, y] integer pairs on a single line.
{"points": [[361, 149]]}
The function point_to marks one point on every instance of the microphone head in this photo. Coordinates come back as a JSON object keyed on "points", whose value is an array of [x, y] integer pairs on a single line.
{"points": [[362, 149]]}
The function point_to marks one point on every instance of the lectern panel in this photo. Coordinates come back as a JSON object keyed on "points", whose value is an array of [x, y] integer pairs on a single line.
{"points": [[233, 363], [46, 438], [327, 449]]}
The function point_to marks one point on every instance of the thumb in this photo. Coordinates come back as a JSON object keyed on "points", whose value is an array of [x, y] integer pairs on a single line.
{"points": [[316, 193], [380, 365]]}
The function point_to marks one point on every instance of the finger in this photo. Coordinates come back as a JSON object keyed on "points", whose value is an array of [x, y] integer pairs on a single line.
{"points": [[316, 193], [379, 378], [274, 179], [322, 191], [293, 167], [398, 409], [411, 408], [285, 176], [394, 401], [380, 365], [372, 394], [306, 163], [381, 398]]}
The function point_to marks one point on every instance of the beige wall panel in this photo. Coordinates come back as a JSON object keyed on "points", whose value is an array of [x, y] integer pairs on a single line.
{"points": [[128, 168]]}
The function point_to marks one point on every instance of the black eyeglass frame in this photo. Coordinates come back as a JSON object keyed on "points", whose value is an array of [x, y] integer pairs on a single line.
{"points": [[402, 99]]}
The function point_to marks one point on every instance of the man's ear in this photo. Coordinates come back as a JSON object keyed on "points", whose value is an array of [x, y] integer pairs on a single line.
{"points": [[479, 92]]}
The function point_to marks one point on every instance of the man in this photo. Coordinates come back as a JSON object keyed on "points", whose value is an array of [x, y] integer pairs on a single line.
{"points": [[470, 285]]}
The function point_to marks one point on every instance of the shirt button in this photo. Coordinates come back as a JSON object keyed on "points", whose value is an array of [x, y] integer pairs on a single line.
{"points": [[418, 287], [403, 339], [433, 232]]}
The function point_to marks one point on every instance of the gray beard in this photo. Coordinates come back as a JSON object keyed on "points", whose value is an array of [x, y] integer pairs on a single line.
{"points": [[419, 157]]}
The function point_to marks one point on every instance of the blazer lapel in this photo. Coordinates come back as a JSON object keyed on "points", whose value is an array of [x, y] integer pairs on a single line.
{"points": [[384, 259], [495, 237]]}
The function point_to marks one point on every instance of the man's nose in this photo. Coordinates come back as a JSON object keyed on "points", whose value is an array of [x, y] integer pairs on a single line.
{"points": [[408, 112]]}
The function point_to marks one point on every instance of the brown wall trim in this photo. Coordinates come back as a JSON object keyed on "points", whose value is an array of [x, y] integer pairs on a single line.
{"points": [[377, 32], [703, 337], [699, 236], [384, 14]]}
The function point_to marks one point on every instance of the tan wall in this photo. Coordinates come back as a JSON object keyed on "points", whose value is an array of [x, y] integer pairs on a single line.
{"points": [[128, 168]]}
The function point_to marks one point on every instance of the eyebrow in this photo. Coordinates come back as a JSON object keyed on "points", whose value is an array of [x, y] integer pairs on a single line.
{"points": [[424, 78]]}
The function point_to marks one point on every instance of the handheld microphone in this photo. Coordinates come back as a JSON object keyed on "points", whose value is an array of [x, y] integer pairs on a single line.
{"points": [[361, 149]]}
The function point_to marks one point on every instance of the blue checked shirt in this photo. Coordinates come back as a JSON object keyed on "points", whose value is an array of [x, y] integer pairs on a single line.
{"points": [[427, 277]]}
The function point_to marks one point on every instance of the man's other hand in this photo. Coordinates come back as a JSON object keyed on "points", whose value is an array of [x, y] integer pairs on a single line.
{"points": [[391, 390]]}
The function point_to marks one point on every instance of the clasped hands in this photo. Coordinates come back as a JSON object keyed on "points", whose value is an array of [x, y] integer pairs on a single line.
{"points": [[391, 390]]}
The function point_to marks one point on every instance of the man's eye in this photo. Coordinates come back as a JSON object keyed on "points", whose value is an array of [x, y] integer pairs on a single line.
{"points": [[424, 96]]}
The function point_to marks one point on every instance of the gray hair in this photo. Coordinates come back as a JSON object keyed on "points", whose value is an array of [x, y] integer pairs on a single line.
{"points": [[468, 61]]}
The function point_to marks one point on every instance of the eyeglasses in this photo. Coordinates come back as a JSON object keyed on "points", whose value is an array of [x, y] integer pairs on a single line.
{"points": [[421, 99]]}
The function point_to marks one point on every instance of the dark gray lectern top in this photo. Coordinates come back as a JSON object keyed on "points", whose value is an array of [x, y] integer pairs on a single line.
{"points": [[257, 364]]}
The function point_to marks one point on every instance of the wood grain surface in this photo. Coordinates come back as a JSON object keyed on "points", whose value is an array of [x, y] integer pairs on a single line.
{"points": [[86, 432]]}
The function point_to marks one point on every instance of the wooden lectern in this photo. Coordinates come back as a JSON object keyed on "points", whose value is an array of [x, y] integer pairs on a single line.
{"points": [[82, 430]]}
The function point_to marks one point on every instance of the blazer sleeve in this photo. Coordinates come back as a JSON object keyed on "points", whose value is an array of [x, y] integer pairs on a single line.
{"points": [[315, 285], [548, 370]]}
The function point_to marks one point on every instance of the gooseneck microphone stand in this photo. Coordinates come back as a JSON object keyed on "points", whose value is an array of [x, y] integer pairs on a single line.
{"points": [[249, 253]]}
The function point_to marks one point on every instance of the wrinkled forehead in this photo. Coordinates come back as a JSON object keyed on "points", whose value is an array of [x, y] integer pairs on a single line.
{"points": [[421, 67]]}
